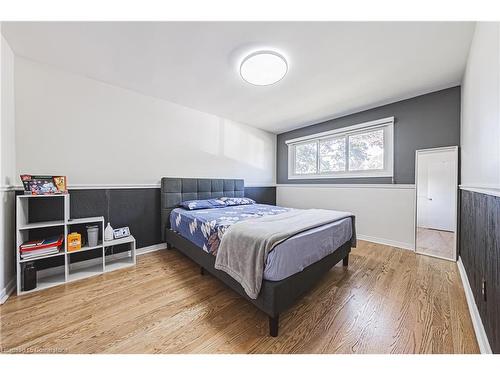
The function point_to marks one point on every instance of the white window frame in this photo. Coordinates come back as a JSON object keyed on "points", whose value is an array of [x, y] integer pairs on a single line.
{"points": [[387, 124]]}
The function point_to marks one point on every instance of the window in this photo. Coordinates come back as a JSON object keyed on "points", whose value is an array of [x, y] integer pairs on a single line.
{"points": [[332, 155], [306, 155], [364, 150]]}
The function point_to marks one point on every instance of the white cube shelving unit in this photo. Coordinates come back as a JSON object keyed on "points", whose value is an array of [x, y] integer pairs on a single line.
{"points": [[72, 270]]}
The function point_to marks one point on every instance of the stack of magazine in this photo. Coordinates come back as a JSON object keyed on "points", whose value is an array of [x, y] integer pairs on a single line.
{"points": [[39, 248]]}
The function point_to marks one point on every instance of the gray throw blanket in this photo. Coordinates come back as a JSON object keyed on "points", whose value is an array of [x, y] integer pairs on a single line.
{"points": [[244, 246]]}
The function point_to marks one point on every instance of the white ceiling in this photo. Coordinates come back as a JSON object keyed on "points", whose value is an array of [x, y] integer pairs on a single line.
{"points": [[335, 68]]}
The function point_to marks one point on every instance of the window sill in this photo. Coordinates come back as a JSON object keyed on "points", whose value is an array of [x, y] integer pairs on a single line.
{"points": [[351, 175], [347, 186]]}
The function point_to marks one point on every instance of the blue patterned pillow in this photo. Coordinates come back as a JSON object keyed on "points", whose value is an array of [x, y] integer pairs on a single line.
{"points": [[200, 204], [229, 201]]}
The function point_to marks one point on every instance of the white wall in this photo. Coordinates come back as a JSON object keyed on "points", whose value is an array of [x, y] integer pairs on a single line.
{"points": [[384, 214], [480, 129], [7, 170], [96, 133]]}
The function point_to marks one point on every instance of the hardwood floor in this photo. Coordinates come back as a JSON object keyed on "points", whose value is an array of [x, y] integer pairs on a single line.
{"points": [[387, 301]]}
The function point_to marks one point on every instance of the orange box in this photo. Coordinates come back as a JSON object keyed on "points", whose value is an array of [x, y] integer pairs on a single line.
{"points": [[74, 241]]}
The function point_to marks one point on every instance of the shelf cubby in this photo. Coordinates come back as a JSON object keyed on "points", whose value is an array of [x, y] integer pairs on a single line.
{"points": [[39, 211], [79, 225], [87, 261], [46, 277], [119, 253], [49, 281], [118, 263]]}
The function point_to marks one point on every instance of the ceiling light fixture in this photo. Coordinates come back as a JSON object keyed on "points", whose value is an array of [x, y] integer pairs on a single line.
{"points": [[263, 68]]}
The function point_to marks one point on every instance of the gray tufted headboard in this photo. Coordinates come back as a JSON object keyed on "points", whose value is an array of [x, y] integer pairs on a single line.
{"points": [[177, 190]]}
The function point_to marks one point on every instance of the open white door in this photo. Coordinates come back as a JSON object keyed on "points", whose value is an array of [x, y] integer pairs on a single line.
{"points": [[436, 184]]}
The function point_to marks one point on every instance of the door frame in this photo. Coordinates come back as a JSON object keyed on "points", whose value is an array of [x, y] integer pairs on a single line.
{"points": [[455, 208]]}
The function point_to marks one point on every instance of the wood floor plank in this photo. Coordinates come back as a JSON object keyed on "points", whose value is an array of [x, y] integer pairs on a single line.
{"points": [[387, 301]]}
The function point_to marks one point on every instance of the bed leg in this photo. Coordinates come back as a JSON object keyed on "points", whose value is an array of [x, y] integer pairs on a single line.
{"points": [[345, 261], [202, 271], [169, 246], [273, 325]]}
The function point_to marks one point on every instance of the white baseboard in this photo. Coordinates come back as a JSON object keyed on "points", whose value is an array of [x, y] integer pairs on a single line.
{"points": [[7, 291], [150, 249], [482, 339], [383, 241]]}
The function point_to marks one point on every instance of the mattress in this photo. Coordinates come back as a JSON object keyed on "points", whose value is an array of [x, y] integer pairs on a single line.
{"points": [[303, 249], [206, 227]]}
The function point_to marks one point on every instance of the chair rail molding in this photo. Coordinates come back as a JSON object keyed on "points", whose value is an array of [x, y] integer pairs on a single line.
{"points": [[129, 186], [483, 189]]}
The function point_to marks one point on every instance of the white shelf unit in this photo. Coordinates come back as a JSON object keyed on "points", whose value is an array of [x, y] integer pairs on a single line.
{"points": [[71, 270]]}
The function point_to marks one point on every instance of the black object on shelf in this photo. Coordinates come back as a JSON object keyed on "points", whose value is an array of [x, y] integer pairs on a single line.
{"points": [[29, 277]]}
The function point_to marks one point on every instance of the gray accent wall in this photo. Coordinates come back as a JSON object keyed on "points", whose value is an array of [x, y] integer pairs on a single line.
{"points": [[426, 121]]}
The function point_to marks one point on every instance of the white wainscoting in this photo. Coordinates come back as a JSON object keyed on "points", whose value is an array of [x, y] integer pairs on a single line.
{"points": [[384, 213]]}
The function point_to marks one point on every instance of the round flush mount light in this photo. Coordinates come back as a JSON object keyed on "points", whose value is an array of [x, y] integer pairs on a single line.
{"points": [[263, 68]]}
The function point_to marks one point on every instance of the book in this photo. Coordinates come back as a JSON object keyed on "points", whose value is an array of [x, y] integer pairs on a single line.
{"points": [[39, 253], [31, 244], [50, 242]]}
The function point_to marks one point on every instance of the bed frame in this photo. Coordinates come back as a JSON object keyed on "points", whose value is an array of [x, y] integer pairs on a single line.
{"points": [[275, 296]]}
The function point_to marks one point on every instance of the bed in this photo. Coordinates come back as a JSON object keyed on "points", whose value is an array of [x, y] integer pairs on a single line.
{"points": [[289, 271]]}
